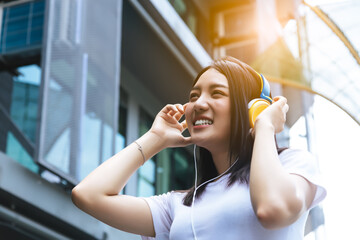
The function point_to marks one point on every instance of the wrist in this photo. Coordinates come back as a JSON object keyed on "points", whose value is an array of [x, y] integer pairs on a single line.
{"points": [[263, 126], [151, 144], [156, 139]]}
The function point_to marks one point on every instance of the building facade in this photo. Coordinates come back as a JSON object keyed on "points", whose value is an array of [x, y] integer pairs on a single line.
{"points": [[81, 79]]}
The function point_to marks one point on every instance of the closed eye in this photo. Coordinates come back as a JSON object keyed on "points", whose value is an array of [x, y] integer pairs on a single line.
{"points": [[193, 96], [218, 92]]}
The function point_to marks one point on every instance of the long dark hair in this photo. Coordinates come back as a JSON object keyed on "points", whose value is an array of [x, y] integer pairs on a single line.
{"points": [[244, 85]]}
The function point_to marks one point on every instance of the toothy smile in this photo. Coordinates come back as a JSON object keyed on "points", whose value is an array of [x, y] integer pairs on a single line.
{"points": [[203, 122]]}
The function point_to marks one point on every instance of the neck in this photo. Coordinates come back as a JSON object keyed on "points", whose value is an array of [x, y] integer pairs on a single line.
{"points": [[221, 161]]}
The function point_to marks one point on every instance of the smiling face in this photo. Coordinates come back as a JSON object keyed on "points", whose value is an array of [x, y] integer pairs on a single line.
{"points": [[208, 111]]}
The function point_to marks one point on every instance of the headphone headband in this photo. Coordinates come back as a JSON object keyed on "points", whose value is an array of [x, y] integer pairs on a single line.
{"points": [[265, 88], [257, 105]]}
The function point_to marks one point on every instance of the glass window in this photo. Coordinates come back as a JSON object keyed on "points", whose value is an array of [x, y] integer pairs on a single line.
{"points": [[22, 26], [120, 141], [184, 172], [19, 102], [80, 82], [146, 177], [121, 135], [192, 17]]}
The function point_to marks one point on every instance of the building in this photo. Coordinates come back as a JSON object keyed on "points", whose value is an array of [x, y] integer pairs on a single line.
{"points": [[82, 79]]}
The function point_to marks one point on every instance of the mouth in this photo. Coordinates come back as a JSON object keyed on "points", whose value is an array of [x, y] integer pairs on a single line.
{"points": [[203, 122]]}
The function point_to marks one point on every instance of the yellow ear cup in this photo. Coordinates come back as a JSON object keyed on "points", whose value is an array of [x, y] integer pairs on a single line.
{"points": [[256, 106]]}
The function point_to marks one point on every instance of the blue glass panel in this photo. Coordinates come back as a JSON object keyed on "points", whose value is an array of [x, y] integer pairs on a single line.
{"points": [[24, 103], [18, 153], [146, 189], [5, 12], [15, 41], [36, 36], [17, 25], [19, 92], [37, 21], [19, 10], [38, 7], [22, 26], [34, 95], [29, 74]]}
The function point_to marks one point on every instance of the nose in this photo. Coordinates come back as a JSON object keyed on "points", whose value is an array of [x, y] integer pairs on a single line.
{"points": [[201, 103]]}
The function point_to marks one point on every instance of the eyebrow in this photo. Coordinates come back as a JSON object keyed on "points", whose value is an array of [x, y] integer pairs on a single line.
{"points": [[212, 86]]}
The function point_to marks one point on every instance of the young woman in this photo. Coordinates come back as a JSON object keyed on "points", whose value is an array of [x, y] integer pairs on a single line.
{"points": [[259, 193]]}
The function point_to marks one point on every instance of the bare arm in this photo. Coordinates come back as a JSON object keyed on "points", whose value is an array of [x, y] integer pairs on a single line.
{"points": [[278, 198], [98, 193]]}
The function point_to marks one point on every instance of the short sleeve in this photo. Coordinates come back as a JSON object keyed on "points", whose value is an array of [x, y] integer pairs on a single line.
{"points": [[303, 163], [160, 207]]}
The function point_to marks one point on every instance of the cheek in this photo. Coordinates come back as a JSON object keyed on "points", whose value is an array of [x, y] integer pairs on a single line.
{"points": [[188, 115], [224, 113], [223, 107]]}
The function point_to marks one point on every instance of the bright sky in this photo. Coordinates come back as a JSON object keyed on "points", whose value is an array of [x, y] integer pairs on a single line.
{"points": [[337, 148], [318, 2], [337, 144]]}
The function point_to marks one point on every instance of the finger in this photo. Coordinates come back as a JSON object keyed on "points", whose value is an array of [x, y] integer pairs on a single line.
{"points": [[184, 125], [178, 115], [175, 109], [252, 132], [169, 119], [185, 106], [180, 108], [281, 101], [277, 98], [286, 108], [169, 108], [172, 113]]}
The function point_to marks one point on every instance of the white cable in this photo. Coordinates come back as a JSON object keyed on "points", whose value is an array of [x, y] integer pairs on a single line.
{"points": [[196, 188], [193, 198]]}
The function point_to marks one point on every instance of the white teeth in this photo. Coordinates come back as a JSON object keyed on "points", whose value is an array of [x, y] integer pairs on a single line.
{"points": [[203, 122]]}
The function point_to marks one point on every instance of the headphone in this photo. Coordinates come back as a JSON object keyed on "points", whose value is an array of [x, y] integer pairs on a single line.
{"points": [[257, 105]]}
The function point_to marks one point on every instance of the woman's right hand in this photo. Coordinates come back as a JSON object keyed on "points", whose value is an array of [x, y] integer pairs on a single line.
{"points": [[168, 128], [98, 193], [273, 116]]}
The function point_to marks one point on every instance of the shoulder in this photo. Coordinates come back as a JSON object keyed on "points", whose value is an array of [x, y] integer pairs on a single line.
{"points": [[300, 162], [166, 199], [305, 164], [162, 206], [168, 195], [292, 156], [295, 152]]}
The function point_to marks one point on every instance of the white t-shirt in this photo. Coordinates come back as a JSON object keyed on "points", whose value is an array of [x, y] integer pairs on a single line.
{"points": [[224, 212]]}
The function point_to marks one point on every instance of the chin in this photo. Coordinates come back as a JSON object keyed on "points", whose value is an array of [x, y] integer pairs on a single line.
{"points": [[201, 142]]}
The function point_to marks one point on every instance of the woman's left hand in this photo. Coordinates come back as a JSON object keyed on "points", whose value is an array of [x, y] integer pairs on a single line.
{"points": [[278, 197], [273, 116]]}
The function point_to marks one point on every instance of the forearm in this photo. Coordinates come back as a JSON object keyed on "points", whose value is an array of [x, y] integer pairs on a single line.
{"points": [[98, 193], [272, 190], [111, 176]]}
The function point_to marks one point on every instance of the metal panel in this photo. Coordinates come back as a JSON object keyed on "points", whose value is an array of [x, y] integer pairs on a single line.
{"points": [[80, 86]]}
